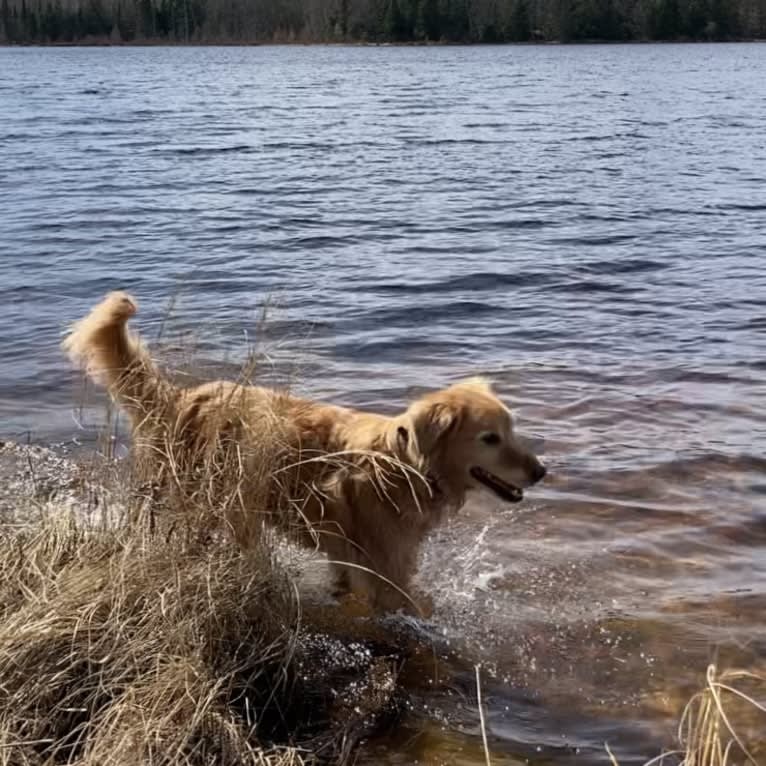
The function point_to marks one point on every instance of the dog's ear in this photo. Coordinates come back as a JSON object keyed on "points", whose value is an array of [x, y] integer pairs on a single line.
{"points": [[431, 422]]}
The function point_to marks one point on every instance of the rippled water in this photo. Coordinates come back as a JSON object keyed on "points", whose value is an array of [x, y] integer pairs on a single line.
{"points": [[585, 225]]}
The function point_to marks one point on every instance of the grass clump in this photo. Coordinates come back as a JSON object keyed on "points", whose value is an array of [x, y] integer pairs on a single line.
{"points": [[722, 724], [722, 720], [168, 633], [119, 647]]}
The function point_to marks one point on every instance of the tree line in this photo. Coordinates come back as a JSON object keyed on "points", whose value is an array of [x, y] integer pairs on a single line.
{"points": [[399, 21]]}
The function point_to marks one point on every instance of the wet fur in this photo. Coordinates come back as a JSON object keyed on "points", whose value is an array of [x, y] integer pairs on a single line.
{"points": [[364, 488]]}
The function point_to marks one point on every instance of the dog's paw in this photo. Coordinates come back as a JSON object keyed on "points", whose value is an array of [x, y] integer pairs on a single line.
{"points": [[423, 606], [352, 605]]}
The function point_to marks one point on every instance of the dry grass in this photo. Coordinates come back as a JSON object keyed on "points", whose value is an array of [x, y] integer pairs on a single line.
{"points": [[118, 647], [169, 636], [147, 641], [722, 724], [721, 721]]}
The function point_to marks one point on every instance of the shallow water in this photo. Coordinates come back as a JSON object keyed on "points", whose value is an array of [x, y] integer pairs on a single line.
{"points": [[584, 225]]}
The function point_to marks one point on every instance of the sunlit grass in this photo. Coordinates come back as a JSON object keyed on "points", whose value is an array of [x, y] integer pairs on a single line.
{"points": [[722, 725]]}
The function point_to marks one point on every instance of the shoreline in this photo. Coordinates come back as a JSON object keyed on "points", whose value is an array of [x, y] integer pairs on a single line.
{"points": [[174, 609], [161, 43]]}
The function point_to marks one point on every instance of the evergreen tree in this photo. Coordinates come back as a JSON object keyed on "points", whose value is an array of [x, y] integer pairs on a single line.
{"points": [[722, 15], [146, 24], [393, 23], [431, 20], [5, 22], [383, 20], [344, 14], [33, 26], [565, 20], [520, 28], [459, 21], [666, 23], [695, 19], [23, 29]]}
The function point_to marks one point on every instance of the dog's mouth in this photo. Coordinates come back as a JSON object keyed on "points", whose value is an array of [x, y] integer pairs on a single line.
{"points": [[502, 489]]}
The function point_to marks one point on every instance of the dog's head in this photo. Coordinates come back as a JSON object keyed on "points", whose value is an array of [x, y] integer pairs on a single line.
{"points": [[465, 435]]}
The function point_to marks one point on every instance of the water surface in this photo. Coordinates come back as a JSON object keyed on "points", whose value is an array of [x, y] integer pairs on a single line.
{"points": [[584, 225]]}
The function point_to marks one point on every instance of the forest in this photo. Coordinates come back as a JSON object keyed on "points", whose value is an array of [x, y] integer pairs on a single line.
{"points": [[377, 21]]}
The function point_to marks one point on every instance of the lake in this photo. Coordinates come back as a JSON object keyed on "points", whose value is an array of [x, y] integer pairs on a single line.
{"points": [[584, 225]]}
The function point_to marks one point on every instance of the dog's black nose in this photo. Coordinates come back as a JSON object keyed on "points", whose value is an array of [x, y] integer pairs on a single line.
{"points": [[538, 472]]}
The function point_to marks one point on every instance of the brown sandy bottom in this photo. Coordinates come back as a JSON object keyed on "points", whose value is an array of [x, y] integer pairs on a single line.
{"points": [[125, 647]]}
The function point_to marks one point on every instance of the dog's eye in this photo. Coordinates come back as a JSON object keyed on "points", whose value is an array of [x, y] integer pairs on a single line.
{"points": [[490, 438]]}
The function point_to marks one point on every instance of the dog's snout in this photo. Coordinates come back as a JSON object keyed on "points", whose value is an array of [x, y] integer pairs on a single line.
{"points": [[538, 471]]}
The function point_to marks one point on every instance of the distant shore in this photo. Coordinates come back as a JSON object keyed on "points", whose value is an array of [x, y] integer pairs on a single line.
{"points": [[161, 43], [379, 22]]}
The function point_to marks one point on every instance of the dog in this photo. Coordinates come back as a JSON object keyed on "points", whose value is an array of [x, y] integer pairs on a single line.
{"points": [[363, 488]]}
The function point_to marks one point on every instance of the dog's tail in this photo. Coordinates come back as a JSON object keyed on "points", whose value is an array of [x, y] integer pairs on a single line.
{"points": [[116, 358]]}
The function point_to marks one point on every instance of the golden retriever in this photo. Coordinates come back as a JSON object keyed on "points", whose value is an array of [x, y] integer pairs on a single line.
{"points": [[366, 488]]}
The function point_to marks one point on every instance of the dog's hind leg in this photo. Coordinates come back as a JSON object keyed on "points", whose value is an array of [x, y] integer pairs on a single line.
{"points": [[341, 585]]}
